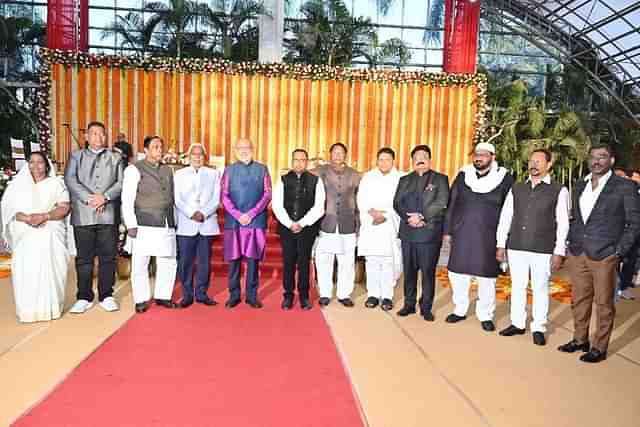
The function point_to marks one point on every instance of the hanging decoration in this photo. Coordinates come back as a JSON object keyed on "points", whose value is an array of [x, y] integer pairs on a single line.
{"points": [[274, 70]]}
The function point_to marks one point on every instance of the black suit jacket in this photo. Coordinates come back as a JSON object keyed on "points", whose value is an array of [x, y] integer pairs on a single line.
{"points": [[434, 205], [614, 222]]}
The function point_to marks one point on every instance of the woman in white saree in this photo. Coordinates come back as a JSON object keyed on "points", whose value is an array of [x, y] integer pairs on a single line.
{"points": [[34, 206]]}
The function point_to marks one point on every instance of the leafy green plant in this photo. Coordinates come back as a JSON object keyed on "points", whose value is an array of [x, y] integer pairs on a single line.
{"points": [[519, 124], [328, 34]]}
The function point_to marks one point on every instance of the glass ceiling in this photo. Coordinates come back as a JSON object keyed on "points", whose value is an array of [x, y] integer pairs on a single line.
{"points": [[611, 26]]}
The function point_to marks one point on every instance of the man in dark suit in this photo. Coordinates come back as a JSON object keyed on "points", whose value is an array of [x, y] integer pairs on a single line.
{"points": [[605, 223], [420, 201]]}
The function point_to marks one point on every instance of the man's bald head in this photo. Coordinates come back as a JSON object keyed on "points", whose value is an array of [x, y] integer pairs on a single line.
{"points": [[244, 150]]}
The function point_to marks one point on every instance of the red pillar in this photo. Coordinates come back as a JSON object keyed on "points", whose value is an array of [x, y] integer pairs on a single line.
{"points": [[461, 25], [68, 24]]}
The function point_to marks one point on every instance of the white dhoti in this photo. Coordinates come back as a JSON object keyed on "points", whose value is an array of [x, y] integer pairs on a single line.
{"points": [[520, 264], [486, 303], [161, 243], [329, 247]]}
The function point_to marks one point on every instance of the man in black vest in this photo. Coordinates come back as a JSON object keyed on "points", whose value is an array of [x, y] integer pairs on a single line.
{"points": [[298, 204], [477, 196], [420, 202], [534, 223], [605, 223]]}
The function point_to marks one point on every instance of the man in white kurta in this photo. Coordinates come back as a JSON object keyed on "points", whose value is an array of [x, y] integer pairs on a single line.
{"points": [[532, 235], [147, 211], [337, 238], [379, 224], [197, 197]]}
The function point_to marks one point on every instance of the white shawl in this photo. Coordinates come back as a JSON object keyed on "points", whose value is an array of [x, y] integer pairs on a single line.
{"points": [[487, 183]]}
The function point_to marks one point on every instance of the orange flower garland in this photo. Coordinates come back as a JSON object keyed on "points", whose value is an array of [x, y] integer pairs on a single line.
{"points": [[559, 289]]}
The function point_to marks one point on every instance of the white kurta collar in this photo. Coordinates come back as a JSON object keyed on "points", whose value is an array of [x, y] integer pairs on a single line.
{"points": [[546, 179]]}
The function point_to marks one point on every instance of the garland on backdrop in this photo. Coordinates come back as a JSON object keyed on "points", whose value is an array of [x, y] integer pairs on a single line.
{"points": [[48, 57]]}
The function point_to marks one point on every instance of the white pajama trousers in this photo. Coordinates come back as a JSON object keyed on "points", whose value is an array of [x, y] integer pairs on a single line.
{"points": [[486, 304], [345, 245], [380, 281], [521, 263], [165, 277]]}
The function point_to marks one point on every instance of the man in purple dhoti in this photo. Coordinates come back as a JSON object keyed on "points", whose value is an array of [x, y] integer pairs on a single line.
{"points": [[246, 192]]}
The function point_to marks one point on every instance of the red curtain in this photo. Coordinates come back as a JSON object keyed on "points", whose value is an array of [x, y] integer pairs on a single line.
{"points": [[68, 24], [461, 24]]}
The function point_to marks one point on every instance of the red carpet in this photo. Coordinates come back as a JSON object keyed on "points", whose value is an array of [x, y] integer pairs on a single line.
{"points": [[210, 366], [206, 366]]}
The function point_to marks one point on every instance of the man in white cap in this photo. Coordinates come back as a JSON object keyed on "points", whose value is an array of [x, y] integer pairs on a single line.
{"points": [[477, 195]]}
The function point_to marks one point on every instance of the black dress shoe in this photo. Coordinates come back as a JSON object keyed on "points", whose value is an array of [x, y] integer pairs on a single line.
{"points": [[184, 303], [346, 302], [287, 303], [254, 304], [454, 318], [387, 304], [488, 325], [324, 301], [208, 301], [538, 338], [305, 304], [231, 303], [405, 311], [594, 356], [428, 317], [573, 346], [511, 331], [166, 303], [141, 307], [372, 302]]}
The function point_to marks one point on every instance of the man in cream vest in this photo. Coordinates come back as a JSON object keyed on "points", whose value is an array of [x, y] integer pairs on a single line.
{"points": [[147, 211], [197, 197]]}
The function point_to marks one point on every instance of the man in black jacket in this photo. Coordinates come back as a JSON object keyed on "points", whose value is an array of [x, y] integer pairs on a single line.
{"points": [[605, 223], [421, 201], [298, 204]]}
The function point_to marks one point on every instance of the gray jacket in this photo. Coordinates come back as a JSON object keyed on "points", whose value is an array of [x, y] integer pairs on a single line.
{"points": [[89, 173]]}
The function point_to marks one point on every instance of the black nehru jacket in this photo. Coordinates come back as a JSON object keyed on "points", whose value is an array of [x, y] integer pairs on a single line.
{"points": [[299, 197], [534, 225]]}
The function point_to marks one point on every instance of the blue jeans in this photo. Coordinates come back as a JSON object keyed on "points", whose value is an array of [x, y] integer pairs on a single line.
{"points": [[251, 294], [194, 250]]}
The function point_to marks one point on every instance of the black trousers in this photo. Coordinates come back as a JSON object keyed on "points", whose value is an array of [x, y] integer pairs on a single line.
{"points": [[95, 240], [628, 267], [421, 257], [296, 251]]}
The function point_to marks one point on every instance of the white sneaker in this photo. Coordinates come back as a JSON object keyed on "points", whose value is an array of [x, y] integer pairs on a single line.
{"points": [[109, 304], [627, 294], [81, 306]]}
